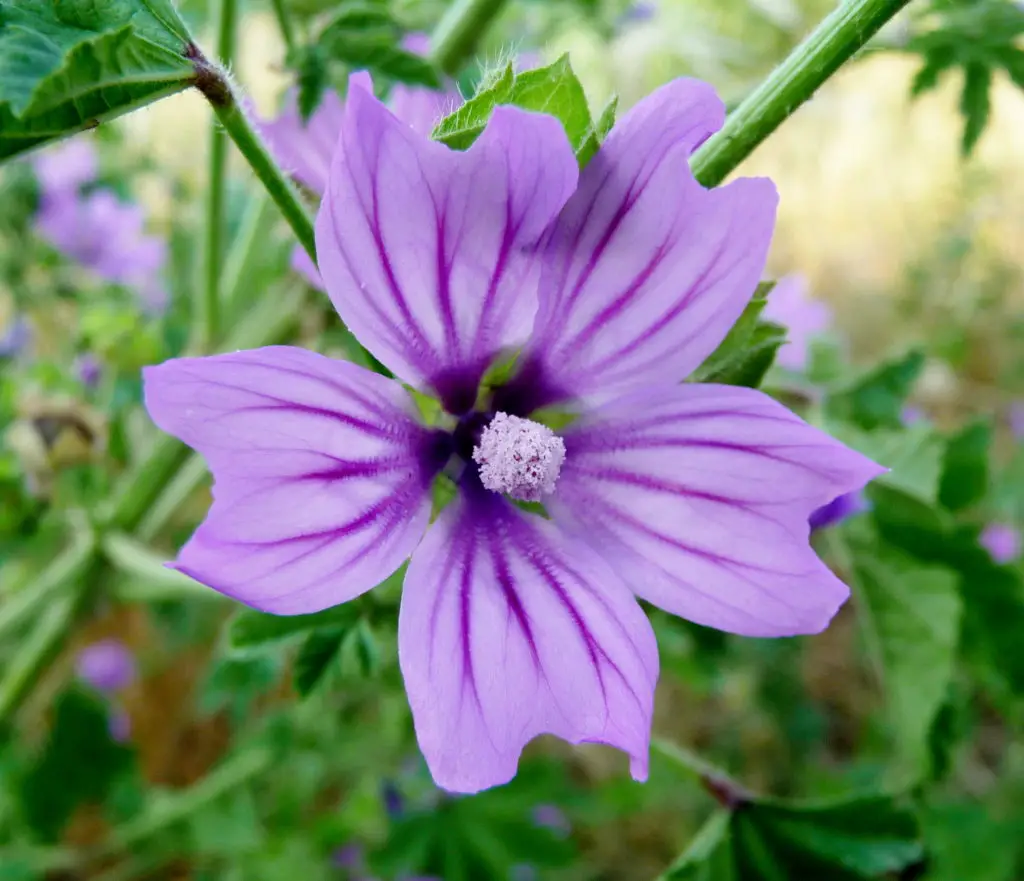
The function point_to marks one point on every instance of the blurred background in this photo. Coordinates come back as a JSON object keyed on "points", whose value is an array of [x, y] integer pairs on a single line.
{"points": [[164, 742]]}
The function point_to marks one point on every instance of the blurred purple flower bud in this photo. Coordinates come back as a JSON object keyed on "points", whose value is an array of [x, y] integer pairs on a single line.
{"points": [[15, 338], [350, 856], [638, 13], [911, 414], [107, 665], [1002, 541], [120, 725], [65, 168], [551, 817], [394, 804], [1017, 419], [803, 317], [89, 370], [838, 510]]}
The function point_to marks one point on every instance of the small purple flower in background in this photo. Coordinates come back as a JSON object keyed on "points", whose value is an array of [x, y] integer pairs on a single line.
{"points": [[802, 316], [89, 370], [305, 148], [911, 414], [107, 665], [1017, 419], [523, 872], [1002, 541], [394, 804], [349, 856], [637, 13], [120, 724], [15, 338], [839, 509], [108, 236], [552, 817], [67, 167], [612, 284]]}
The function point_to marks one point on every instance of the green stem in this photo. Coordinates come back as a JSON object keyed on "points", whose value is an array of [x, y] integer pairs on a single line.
{"points": [[181, 488], [284, 22], [153, 578], [207, 315], [18, 606], [216, 87], [456, 36], [810, 64], [172, 809], [248, 250], [727, 791], [40, 647]]}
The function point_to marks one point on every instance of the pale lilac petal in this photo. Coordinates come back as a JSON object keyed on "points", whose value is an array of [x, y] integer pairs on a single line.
{"points": [[303, 264], [645, 270], [1002, 541], [107, 665], [321, 476], [420, 246], [419, 107], [700, 495], [67, 167], [804, 318], [509, 629], [305, 147]]}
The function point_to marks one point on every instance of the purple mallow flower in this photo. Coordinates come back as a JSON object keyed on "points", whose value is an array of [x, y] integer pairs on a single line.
{"points": [[611, 285], [1017, 419], [15, 338], [802, 316], [107, 665], [107, 236], [1002, 541], [838, 510], [65, 168], [89, 370]]}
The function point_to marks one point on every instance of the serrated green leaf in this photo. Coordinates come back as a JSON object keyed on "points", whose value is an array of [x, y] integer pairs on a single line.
{"points": [[554, 90], [250, 629], [968, 842], [863, 837], [67, 66], [316, 654], [913, 612], [876, 399], [913, 455], [975, 104], [749, 367], [739, 337], [598, 132], [311, 71], [936, 64], [965, 467]]}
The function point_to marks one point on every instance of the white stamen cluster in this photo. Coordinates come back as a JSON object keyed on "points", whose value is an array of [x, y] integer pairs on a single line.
{"points": [[519, 458]]}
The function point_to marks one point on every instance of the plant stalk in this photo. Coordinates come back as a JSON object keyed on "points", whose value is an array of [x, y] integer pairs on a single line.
{"points": [[207, 312], [845, 31], [284, 22], [457, 35]]}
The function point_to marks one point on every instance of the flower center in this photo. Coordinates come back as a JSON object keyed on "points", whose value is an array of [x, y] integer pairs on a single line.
{"points": [[519, 457]]}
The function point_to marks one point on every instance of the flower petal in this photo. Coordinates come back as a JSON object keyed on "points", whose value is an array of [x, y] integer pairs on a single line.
{"points": [[421, 246], [509, 629], [699, 495], [305, 147], [645, 271], [321, 474]]}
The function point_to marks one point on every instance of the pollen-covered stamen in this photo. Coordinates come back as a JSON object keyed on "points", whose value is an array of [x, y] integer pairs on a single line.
{"points": [[519, 457]]}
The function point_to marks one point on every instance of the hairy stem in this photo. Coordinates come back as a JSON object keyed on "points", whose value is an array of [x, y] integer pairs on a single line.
{"points": [[213, 82], [810, 64], [456, 36], [726, 791], [207, 311]]}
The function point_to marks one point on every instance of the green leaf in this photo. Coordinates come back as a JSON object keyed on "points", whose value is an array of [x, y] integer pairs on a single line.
{"points": [[876, 399], [738, 338], [554, 90], [66, 66], [965, 467], [862, 837], [975, 104], [912, 612], [936, 64], [967, 842], [316, 654], [250, 629], [598, 132], [77, 766], [913, 456], [311, 68]]}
